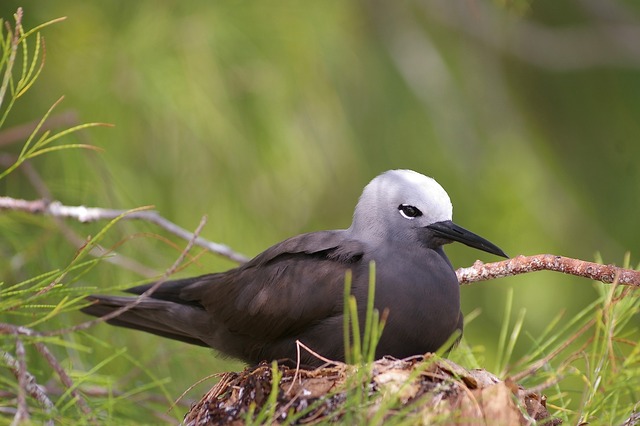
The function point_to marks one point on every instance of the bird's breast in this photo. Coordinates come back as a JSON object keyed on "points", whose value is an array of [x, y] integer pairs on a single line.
{"points": [[422, 295]]}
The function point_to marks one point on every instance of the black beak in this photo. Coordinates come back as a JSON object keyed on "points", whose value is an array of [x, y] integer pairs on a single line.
{"points": [[452, 232]]}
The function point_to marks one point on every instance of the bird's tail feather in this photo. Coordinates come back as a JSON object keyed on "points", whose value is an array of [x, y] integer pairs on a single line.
{"points": [[151, 315], [171, 290]]}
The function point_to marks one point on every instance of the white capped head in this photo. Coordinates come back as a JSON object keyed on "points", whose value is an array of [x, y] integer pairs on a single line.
{"points": [[397, 203]]}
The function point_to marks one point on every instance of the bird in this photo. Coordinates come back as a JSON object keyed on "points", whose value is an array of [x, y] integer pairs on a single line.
{"points": [[294, 290]]}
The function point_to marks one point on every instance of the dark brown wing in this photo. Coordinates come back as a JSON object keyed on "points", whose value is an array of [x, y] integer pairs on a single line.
{"points": [[277, 294], [282, 291]]}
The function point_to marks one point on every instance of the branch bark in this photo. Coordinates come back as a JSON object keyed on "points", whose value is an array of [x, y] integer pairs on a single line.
{"points": [[547, 262], [22, 412], [27, 382]]}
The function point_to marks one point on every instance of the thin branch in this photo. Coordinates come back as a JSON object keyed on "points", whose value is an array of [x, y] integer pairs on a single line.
{"points": [[22, 412], [189, 389], [548, 262], [91, 214], [30, 385], [65, 379], [17, 329], [633, 419], [67, 232], [27, 382], [72, 236], [317, 355]]}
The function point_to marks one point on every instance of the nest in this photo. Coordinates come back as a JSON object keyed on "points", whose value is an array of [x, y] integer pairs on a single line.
{"points": [[427, 390]]}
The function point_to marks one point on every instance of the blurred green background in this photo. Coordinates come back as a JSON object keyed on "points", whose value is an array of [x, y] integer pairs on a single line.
{"points": [[270, 117]]}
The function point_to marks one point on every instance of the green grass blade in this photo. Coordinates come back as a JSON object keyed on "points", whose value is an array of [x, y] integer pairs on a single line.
{"points": [[346, 323], [502, 340]]}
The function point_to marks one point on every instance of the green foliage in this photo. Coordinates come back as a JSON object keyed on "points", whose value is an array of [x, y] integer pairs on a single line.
{"points": [[37, 303], [14, 41]]}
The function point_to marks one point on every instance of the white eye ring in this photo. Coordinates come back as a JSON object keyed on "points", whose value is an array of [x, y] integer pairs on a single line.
{"points": [[409, 212]]}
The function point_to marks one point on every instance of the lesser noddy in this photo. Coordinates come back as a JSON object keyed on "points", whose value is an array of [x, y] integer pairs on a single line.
{"points": [[294, 290]]}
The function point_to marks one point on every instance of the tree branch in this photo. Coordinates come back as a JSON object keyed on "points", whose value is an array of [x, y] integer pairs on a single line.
{"points": [[67, 232], [91, 214], [66, 380], [548, 262], [22, 412], [27, 383]]}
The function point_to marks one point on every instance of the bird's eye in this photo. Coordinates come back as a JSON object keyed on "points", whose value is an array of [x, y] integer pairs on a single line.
{"points": [[409, 212]]}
